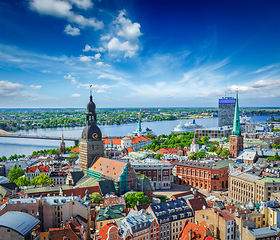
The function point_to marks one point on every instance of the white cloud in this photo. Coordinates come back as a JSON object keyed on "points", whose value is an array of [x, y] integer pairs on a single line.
{"points": [[63, 9], [45, 71], [36, 87], [72, 30], [101, 64], [98, 88], [126, 29], [88, 58], [115, 46], [9, 89], [83, 4], [266, 68], [73, 79], [105, 37], [75, 95], [89, 48], [108, 76]]}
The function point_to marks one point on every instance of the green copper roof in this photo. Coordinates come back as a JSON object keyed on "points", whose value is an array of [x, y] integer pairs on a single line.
{"points": [[236, 122], [110, 212], [270, 179]]}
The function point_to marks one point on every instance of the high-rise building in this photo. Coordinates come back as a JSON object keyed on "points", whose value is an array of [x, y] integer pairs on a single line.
{"points": [[236, 139], [226, 111], [91, 144]]}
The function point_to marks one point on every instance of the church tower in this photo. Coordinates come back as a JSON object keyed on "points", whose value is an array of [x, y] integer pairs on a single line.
{"points": [[236, 139], [194, 146], [91, 144], [62, 144]]}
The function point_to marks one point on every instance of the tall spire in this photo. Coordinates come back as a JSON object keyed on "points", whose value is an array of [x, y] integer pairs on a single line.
{"points": [[139, 125], [236, 131]]}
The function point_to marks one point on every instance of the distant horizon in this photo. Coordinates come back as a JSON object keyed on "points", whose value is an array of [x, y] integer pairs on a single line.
{"points": [[141, 52]]}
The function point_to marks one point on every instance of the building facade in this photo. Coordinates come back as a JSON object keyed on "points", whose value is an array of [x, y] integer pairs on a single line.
{"points": [[171, 217], [226, 111], [205, 175], [159, 172], [250, 185], [35, 171], [214, 132]]}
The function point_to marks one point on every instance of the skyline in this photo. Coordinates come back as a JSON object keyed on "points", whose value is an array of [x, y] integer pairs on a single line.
{"points": [[138, 53]]}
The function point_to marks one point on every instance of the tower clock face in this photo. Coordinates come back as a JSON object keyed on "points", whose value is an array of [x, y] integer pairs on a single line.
{"points": [[84, 135], [94, 135]]}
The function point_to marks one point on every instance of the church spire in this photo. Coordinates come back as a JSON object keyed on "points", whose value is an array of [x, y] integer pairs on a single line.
{"points": [[236, 131], [139, 124]]}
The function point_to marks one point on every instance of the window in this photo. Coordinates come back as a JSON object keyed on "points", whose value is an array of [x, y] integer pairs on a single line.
{"points": [[207, 218], [203, 216], [155, 178], [149, 172], [155, 172]]}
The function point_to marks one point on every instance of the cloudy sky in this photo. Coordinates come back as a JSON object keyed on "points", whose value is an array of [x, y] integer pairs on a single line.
{"points": [[139, 53]]}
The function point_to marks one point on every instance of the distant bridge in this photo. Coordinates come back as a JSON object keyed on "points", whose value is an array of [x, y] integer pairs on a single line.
{"points": [[10, 135]]}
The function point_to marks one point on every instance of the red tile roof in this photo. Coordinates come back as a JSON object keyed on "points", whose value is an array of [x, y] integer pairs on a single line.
{"points": [[76, 149], [63, 234], [198, 232], [115, 141], [225, 214], [198, 203], [108, 167], [139, 139], [41, 168], [178, 195]]}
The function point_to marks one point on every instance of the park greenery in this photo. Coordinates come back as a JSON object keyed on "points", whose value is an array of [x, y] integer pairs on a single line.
{"points": [[138, 198]]}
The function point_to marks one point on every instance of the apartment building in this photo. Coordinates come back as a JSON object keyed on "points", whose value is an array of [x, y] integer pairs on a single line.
{"points": [[171, 217]]}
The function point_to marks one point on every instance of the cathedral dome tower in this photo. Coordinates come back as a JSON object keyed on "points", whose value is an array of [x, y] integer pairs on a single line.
{"points": [[91, 145]]}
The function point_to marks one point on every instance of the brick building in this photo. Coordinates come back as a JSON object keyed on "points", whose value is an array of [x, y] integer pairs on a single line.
{"points": [[206, 175]]}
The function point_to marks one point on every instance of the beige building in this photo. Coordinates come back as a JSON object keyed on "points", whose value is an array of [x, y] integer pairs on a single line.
{"points": [[220, 221], [251, 185]]}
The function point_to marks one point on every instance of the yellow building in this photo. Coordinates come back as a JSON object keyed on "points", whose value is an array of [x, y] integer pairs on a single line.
{"points": [[271, 213]]}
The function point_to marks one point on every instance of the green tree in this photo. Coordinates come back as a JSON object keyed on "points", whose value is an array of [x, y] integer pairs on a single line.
{"points": [[130, 200], [224, 153], [73, 156], [212, 148], [95, 198], [41, 179], [192, 156], [158, 156], [15, 173], [276, 157], [200, 154], [141, 198], [22, 181], [205, 140]]}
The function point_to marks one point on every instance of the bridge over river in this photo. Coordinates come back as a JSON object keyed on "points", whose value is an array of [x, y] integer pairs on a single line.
{"points": [[10, 135]]}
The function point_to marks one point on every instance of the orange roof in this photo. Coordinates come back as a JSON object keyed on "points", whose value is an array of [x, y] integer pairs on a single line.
{"points": [[139, 139], [198, 232], [41, 168], [104, 232], [130, 149], [77, 149], [108, 167], [115, 141]]}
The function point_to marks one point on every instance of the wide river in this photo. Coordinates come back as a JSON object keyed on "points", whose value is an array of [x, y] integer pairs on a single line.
{"points": [[11, 146]]}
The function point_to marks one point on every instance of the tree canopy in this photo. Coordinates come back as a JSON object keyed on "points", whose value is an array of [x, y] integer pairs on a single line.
{"points": [[95, 198], [15, 173], [22, 181], [41, 179], [132, 199]]}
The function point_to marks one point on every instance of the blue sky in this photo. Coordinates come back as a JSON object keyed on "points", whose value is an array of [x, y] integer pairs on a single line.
{"points": [[154, 53]]}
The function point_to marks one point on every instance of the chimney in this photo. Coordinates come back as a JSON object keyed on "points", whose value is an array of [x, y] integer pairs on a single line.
{"points": [[190, 234]]}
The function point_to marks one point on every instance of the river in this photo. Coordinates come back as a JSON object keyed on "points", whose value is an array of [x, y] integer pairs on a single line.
{"points": [[19, 146]]}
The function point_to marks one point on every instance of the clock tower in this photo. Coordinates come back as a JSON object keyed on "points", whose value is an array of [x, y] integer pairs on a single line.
{"points": [[91, 144]]}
